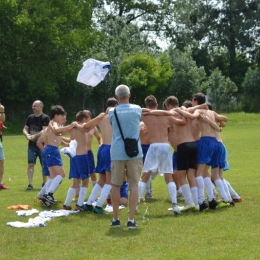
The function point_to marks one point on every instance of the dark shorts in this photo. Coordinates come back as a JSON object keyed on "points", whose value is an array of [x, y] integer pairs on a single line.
{"points": [[145, 148], [33, 153], [174, 160], [103, 159], [52, 156], [187, 156]]}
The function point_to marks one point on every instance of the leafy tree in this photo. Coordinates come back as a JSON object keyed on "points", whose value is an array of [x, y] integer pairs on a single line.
{"points": [[40, 45], [251, 85], [231, 26], [188, 78], [145, 76], [221, 91]]}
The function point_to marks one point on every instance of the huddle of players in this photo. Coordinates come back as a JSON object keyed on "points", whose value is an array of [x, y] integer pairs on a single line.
{"points": [[192, 131], [197, 147]]}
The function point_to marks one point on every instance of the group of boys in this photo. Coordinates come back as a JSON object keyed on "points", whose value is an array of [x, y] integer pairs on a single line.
{"points": [[192, 131]]}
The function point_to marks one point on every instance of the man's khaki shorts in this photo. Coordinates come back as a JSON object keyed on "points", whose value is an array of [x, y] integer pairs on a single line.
{"points": [[132, 169]]}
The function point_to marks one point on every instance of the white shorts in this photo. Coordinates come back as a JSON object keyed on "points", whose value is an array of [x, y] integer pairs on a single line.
{"points": [[159, 157]]}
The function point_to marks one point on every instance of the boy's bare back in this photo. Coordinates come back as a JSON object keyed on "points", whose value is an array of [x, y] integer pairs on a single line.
{"points": [[106, 129], [157, 127]]}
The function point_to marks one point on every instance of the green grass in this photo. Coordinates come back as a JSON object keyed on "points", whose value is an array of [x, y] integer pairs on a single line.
{"points": [[231, 233]]}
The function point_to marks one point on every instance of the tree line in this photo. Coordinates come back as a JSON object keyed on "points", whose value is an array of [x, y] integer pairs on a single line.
{"points": [[212, 47]]}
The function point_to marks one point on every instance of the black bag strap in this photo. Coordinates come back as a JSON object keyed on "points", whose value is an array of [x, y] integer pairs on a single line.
{"points": [[119, 125]]}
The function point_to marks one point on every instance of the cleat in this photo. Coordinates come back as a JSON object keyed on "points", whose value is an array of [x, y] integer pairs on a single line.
{"points": [[3, 187], [98, 210], [131, 225], [75, 197], [213, 204], [203, 206], [45, 202], [188, 207], [197, 207], [237, 200], [148, 195], [87, 207], [29, 187], [66, 207], [176, 209], [79, 208], [232, 203], [50, 198], [115, 223], [222, 204], [36, 199]]}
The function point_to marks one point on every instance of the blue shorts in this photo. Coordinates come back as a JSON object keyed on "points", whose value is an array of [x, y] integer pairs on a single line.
{"points": [[79, 167], [33, 153], [145, 148], [219, 161], [103, 159], [91, 161], [52, 156], [2, 156], [124, 190], [207, 150], [45, 170], [174, 160], [226, 167]]}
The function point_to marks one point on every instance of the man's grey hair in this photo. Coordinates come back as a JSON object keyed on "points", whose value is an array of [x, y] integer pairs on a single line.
{"points": [[39, 102], [122, 91]]}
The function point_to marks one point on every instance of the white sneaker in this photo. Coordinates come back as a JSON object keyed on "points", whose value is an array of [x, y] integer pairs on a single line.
{"points": [[197, 207], [176, 210], [188, 207]]}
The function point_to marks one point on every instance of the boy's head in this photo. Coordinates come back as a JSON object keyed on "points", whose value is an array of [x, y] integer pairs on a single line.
{"points": [[81, 115], [56, 111], [111, 102], [187, 103], [89, 113], [198, 99], [151, 102], [209, 106], [171, 102]]}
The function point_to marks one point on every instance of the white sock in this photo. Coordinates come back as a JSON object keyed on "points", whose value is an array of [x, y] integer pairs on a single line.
{"points": [[93, 183], [141, 187], [172, 191], [226, 189], [94, 193], [200, 185], [221, 190], [208, 187], [82, 195], [179, 191], [148, 185], [186, 193], [70, 194], [231, 190], [47, 185], [55, 184], [103, 195], [194, 193]]}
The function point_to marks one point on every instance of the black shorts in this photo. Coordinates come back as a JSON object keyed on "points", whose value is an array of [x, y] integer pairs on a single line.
{"points": [[187, 156]]}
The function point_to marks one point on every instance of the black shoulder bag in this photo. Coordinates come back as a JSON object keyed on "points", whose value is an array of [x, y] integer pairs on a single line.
{"points": [[131, 144]]}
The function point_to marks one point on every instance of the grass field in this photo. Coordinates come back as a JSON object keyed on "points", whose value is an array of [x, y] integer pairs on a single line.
{"points": [[230, 233]]}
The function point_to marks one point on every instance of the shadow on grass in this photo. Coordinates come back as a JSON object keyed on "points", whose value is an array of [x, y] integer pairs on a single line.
{"points": [[122, 232]]}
